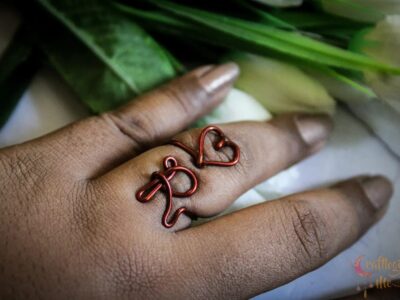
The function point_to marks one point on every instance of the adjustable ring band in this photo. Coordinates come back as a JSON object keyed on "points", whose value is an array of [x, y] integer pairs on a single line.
{"points": [[161, 180]]}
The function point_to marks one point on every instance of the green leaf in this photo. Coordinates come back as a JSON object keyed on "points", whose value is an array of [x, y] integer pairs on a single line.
{"points": [[158, 19], [18, 65], [312, 20], [363, 11], [187, 33], [106, 57], [348, 81], [265, 37], [267, 17]]}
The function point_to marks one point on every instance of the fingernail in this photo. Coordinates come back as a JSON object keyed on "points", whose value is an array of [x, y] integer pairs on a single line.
{"points": [[314, 129], [378, 189], [219, 77]]}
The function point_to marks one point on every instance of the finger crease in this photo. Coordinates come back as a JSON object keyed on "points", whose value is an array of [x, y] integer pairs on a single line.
{"points": [[136, 129]]}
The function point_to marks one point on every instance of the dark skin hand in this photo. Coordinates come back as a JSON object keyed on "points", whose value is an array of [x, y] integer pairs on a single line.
{"points": [[71, 227]]}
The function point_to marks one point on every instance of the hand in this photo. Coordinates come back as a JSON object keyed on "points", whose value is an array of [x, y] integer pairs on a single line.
{"points": [[71, 227]]}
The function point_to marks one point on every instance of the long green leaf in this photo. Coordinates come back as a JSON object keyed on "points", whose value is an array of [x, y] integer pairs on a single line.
{"points": [[348, 81], [170, 24], [281, 41], [267, 17], [314, 20], [18, 65], [106, 58], [163, 22]]}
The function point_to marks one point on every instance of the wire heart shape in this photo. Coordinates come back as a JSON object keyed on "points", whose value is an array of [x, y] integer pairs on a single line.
{"points": [[221, 142]]}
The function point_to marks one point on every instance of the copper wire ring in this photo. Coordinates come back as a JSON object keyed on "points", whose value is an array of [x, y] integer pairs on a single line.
{"points": [[161, 180]]}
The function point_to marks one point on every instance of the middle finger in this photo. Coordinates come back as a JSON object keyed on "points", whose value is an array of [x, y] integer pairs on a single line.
{"points": [[265, 147]]}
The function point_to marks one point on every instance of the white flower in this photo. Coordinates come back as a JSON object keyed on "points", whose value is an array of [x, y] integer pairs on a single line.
{"points": [[383, 43], [281, 3], [382, 115], [361, 10], [281, 87], [237, 106]]}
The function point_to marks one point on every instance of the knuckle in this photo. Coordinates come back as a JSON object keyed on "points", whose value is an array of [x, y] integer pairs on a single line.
{"points": [[136, 127], [308, 231], [247, 156], [185, 100], [224, 154]]}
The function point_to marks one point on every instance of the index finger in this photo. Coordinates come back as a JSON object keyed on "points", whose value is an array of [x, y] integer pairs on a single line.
{"points": [[97, 144]]}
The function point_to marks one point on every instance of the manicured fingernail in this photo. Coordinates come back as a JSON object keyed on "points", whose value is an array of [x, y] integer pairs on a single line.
{"points": [[314, 129], [219, 77], [378, 189]]}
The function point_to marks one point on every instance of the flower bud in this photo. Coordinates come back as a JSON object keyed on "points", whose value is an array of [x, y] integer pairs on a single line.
{"points": [[383, 116], [281, 87], [383, 43], [237, 106]]}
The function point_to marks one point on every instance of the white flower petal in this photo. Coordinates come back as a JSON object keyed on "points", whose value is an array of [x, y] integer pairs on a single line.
{"points": [[383, 43], [237, 106], [382, 116], [281, 87]]}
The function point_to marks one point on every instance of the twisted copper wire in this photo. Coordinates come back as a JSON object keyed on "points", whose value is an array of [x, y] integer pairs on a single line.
{"points": [[161, 180], [222, 142]]}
